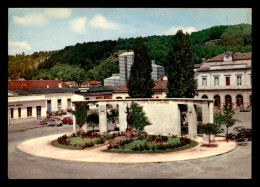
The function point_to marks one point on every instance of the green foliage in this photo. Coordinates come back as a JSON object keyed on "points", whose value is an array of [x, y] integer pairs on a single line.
{"points": [[226, 116], [112, 116], [140, 83], [93, 119], [181, 82], [139, 118], [237, 35], [80, 113], [209, 128]]}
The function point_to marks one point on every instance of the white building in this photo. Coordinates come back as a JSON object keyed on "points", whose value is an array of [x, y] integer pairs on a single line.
{"points": [[226, 79], [30, 100]]}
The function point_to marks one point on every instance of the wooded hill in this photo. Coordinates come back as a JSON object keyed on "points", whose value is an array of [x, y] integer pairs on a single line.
{"points": [[98, 60]]}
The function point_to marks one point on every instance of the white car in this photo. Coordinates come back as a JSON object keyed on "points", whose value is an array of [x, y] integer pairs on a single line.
{"points": [[54, 122]]}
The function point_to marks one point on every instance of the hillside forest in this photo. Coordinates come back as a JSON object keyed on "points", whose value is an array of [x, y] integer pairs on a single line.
{"points": [[99, 60]]}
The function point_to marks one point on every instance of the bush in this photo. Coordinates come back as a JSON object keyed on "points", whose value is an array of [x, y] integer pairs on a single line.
{"points": [[87, 145]]}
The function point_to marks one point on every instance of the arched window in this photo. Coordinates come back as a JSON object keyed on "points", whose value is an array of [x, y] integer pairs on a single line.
{"points": [[217, 101], [204, 97], [228, 100], [239, 100]]}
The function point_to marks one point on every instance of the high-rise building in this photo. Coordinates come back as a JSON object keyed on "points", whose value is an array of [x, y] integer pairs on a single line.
{"points": [[125, 62]]}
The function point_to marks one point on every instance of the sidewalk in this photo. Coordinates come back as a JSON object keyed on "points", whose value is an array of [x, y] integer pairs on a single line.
{"points": [[24, 126], [41, 147]]}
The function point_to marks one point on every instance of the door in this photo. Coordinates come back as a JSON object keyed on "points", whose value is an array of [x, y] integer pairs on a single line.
{"points": [[49, 106], [39, 112]]}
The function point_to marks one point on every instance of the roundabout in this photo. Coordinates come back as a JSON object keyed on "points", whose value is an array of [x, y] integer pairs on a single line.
{"points": [[41, 147]]}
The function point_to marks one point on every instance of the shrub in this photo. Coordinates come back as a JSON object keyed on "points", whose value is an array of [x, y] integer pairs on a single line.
{"points": [[88, 145], [146, 147], [63, 140]]}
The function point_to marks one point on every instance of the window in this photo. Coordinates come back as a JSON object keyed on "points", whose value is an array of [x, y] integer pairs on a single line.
{"points": [[29, 111], [239, 80], [204, 97], [216, 81], [196, 83], [228, 100], [227, 81], [69, 102], [12, 113], [204, 81], [19, 112], [59, 104], [239, 100], [217, 101], [250, 100]]}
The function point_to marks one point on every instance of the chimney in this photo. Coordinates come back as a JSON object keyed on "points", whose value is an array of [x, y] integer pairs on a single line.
{"points": [[153, 62], [161, 77]]}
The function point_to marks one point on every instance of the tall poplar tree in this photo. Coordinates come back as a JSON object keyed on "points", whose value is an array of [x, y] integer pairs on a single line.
{"points": [[140, 83], [181, 83]]}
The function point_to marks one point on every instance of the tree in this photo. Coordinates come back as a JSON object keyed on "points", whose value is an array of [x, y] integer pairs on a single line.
{"points": [[139, 119], [225, 117], [209, 128], [93, 120], [112, 116], [140, 83], [80, 113], [181, 82]]}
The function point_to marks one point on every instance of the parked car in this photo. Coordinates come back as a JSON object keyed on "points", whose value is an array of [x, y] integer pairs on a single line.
{"points": [[245, 134], [67, 120], [245, 109], [54, 122], [234, 133]]}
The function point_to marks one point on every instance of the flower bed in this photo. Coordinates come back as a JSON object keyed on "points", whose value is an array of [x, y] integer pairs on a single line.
{"points": [[82, 140]]}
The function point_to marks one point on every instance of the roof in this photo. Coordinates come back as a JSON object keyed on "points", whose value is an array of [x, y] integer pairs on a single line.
{"points": [[43, 91], [91, 82], [238, 58], [32, 84], [235, 56], [99, 89], [160, 86]]}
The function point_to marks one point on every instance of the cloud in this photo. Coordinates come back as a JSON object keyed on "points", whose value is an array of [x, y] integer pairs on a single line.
{"points": [[100, 21], [23, 44], [58, 12], [78, 25], [31, 19], [173, 30]]}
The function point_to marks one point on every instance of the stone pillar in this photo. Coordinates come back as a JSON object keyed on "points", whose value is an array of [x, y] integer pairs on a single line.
{"points": [[205, 112], [211, 112], [122, 116], [192, 121], [176, 122], [102, 117], [74, 124]]}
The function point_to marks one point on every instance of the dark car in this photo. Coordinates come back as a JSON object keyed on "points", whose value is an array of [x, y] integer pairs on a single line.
{"points": [[245, 134], [67, 120], [234, 133]]}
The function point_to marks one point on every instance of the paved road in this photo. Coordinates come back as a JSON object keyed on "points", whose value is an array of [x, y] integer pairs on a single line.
{"points": [[233, 165]]}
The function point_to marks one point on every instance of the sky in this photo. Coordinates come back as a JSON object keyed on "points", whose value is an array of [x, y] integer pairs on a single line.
{"points": [[46, 29]]}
